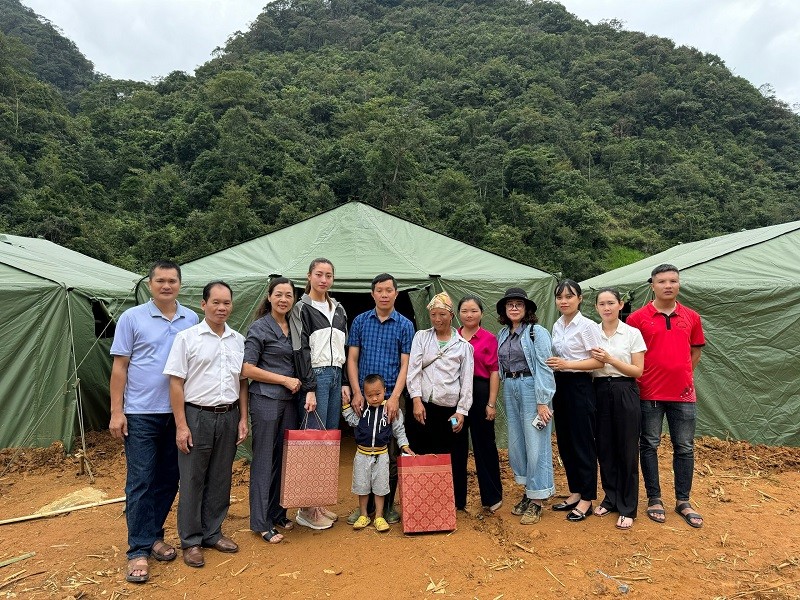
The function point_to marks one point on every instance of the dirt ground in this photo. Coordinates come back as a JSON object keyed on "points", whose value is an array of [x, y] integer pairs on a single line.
{"points": [[749, 547]]}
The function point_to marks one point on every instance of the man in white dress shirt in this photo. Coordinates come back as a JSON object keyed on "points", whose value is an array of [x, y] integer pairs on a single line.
{"points": [[209, 401]]}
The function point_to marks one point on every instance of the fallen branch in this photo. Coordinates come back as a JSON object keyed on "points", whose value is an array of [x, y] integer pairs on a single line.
{"points": [[517, 544], [553, 576], [766, 495], [61, 511], [7, 583], [766, 589], [11, 561]]}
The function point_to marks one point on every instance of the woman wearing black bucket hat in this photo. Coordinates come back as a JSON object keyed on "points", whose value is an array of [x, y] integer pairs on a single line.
{"points": [[528, 388]]}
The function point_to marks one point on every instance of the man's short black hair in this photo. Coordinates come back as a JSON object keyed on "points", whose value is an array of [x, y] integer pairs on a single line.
{"points": [[381, 278], [163, 264], [211, 285], [665, 268]]}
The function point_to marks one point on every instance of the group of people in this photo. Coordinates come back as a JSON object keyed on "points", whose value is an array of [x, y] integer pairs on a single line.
{"points": [[182, 390]]}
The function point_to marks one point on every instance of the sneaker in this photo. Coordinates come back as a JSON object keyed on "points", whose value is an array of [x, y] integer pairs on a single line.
{"points": [[362, 522], [353, 516], [521, 506], [392, 516], [494, 507], [532, 514], [329, 514], [313, 518], [381, 525]]}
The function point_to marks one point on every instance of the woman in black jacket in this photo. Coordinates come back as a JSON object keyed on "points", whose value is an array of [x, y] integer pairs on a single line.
{"points": [[319, 332]]}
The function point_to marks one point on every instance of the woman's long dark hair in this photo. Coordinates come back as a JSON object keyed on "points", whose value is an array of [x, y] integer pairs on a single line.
{"points": [[265, 305], [313, 264]]}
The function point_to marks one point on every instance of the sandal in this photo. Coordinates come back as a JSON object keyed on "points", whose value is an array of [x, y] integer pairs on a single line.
{"points": [[654, 513], [163, 551], [381, 525], [576, 515], [269, 536], [690, 515], [601, 511], [284, 523], [624, 523], [137, 564]]}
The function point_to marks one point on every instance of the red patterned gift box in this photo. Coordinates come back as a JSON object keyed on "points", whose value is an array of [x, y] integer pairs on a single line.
{"points": [[426, 493], [310, 468]]}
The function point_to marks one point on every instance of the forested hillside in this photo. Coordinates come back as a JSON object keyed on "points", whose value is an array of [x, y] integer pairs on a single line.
{"points": [[510, 125], [41, 49]]}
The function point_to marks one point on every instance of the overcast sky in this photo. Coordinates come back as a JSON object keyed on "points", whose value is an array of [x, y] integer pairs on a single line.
{"points": [[142, 39]]}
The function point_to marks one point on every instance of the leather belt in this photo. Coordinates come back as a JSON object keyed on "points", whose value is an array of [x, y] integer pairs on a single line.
{"points": [[221, 408], [613, 379], [516, 374]]}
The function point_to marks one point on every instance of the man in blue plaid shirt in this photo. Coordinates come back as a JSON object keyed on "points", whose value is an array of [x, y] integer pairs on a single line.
{"points": [[380, 342]]}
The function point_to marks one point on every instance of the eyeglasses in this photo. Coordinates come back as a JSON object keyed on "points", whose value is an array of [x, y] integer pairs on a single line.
{"points": [[515, 305]]}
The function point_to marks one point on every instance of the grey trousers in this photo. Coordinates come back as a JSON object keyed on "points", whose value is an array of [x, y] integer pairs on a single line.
{"points": [[205, 485], [270, 418]]}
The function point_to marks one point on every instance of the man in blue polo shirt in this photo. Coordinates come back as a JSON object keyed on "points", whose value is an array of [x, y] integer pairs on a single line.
{"points": [[141, 415], [380, 343]]}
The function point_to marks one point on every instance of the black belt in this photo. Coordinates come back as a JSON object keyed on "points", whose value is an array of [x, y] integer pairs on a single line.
{"points": [[516, 374], [613, 379], [222, 408]]}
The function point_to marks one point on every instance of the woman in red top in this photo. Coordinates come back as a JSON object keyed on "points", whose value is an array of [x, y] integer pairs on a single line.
{"points": [[480, 421]]}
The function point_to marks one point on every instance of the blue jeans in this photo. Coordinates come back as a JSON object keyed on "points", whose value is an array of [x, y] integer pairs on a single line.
{"points": [[329, 398], [530, 454], [151, 457], [681, 418]]}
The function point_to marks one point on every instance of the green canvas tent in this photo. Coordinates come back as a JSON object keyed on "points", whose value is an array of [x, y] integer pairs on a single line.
{"points": [[746, 287], [361, 242], [57, 311]]}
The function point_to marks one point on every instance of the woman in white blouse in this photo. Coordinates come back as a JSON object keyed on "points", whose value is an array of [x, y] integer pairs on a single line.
{"points": [[618, 409], [574, 337]]}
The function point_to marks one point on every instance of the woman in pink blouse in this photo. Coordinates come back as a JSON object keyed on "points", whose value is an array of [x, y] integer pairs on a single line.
{"points": [[480, 420]]}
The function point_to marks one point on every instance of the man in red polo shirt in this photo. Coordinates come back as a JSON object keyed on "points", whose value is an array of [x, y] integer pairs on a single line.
{"points": [[674, 337]]}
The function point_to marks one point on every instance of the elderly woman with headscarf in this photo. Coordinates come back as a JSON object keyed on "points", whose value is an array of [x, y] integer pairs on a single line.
{"points": [[440, 370]]}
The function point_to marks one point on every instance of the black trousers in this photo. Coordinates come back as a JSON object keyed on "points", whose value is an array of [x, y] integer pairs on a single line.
{"points": [[574, 408], [484, 448], [436, 437], [618, 425]]}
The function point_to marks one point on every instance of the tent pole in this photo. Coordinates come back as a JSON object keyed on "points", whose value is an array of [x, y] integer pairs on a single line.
{"points": [[75, 373]]}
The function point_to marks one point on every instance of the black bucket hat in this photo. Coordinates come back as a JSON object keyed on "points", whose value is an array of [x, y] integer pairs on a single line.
{"points": [[515, 294]]}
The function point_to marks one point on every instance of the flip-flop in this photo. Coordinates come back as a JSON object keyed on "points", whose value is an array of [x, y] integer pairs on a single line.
{"points": [[652, 512], [135, 564], [163, 551], [601, 511], [689, 516], [269, 536], [623, 527]]}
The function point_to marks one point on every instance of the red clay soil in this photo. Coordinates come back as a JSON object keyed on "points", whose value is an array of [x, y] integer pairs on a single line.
{"points": [[749, 547]]}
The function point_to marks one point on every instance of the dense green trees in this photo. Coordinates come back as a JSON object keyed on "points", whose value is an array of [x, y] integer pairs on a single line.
{"points": [[507, 124]]}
